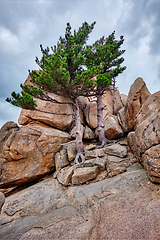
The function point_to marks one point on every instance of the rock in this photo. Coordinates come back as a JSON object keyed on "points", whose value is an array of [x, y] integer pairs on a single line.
{"points": [[124, 99], [123, 207], [88, 133], [6, 130], [112, 128], [31, 150], [116, 150], [82, 102], [101, 176], [116, 165], [2, 200], [99, 162], [61, 159], [65, 174], [49, 112], [95, 153], [151, 162], [81, 175], [151, 106], [91, 109], [138, 94], [73, 132], [145, 140], [90, 147], [71, 151]]}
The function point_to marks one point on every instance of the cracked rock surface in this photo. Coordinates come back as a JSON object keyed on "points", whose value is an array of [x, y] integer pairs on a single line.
{"points": [[126, 206]]}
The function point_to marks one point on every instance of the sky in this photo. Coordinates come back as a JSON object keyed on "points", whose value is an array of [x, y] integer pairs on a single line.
{"points": [[25, 24]]}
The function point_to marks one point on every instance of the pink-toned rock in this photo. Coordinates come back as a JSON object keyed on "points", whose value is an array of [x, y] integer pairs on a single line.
{"points": [[151, 162], [65, 175], [150, 107], [91, 109], [6, 130], [54, 114], [138, 94], [112, 128], [88, 133], [82, 175], [61, 159], [2, 200], [116, 150], [124, 99], [29, 153]]}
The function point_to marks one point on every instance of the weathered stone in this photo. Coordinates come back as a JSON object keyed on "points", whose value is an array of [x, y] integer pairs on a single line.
{"points": [[100, 162], [65, 174], [29, 153], [81, 175], [151, 162], [2, 200], [101, 176], [82, 102], [123, 207], [91, 109], [112, 128], [90, 147], [88, 133], [138, 94], [6, 130], [124, 99], [95, 153], [116, 165], [54, 114], [71, 151], [61, 159], [151, 106], [73, 132], [116, 150]]}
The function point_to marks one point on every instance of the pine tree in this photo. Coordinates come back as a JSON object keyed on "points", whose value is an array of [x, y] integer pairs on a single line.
{"points": [[62, 72], [105, 53]]}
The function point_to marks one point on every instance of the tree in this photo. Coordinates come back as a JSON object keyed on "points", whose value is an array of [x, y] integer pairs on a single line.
{"points": [[106, 53], [62, 72]]}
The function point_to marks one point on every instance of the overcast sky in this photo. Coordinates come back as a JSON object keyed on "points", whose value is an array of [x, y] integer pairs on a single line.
{"points": [[25, 24]]}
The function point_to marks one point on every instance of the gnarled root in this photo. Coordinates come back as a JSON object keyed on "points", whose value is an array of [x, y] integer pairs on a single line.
{"points": [[79, 155]]}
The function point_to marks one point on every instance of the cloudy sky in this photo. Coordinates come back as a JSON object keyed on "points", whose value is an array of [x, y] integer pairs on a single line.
{"points": [[25, 24]]}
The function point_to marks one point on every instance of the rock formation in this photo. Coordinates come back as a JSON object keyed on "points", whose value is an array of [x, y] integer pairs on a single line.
{"points": [[72, 201]]}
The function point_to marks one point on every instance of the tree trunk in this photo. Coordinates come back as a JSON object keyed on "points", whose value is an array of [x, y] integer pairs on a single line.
{"points": [[79, 143], [114, 102], [101, 132]]}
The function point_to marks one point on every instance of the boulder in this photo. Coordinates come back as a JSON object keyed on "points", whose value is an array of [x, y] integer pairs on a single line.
{"points": [[6, 130], [123, 99], [81, 175], [88, 133], [151, 162], [73, 131], [107, 98], [138, 94], [150, 107], [116, 165], [99, 162], [71, 151], [61, 159], [123, 207], [31, 150], [64, 175], [112, 128], [116, 150], [145, 140], [95, 153], [57, 115], [2, 200]]}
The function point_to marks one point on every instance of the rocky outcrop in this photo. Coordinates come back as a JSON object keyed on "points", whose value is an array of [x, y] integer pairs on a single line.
{"points": [[145, 140], [123, 207], [57, 115], [28, 153], [138, 94], [108, 99], [2, 200]]}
